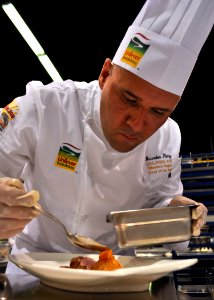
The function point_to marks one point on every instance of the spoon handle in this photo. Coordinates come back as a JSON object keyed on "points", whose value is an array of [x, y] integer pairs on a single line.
{"points": [[45, 213]]}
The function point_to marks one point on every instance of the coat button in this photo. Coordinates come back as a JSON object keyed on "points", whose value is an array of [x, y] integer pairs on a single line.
{"points": [[84, 217]]}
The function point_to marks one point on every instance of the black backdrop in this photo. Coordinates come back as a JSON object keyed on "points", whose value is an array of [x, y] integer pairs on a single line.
{"points": [[78, 36]]}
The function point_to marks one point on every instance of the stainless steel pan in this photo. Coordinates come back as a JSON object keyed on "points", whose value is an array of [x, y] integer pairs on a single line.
{"points": [[152, 226]]}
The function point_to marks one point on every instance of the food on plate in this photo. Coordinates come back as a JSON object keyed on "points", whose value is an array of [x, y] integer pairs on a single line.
{"points": [[106, 262], [81, 262]]}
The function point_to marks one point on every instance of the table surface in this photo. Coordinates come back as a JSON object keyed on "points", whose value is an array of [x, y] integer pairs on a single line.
{"points": [[25, 287]]}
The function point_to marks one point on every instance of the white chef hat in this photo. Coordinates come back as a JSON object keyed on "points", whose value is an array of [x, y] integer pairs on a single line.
{"points": [[164, 41]]}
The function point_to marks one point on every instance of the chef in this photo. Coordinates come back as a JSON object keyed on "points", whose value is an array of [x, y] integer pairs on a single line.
{"points": [[107, 145]]}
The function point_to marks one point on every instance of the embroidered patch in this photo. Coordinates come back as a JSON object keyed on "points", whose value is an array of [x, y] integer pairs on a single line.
{"points": [[8, 113], [67, 157], [136, 49]]}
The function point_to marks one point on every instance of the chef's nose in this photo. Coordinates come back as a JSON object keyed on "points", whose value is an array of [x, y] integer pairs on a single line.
{"points": [[137, 119]]}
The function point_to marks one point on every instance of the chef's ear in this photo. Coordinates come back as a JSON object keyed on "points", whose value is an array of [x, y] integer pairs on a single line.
{"points": [[105, 72]]}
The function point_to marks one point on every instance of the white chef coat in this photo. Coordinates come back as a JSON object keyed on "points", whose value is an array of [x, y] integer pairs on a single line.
{"points": [[42, 130]]}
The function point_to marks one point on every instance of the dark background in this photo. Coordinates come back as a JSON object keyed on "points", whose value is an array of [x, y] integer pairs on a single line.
{"points": [[78, 36]]}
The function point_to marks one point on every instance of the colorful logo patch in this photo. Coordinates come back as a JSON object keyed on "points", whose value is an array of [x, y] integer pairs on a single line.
{"points": [[67, 157], [8, 113], [136, 49]]}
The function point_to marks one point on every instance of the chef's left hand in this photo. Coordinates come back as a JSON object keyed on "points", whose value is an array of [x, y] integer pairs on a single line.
{"points": [[199, 214]]}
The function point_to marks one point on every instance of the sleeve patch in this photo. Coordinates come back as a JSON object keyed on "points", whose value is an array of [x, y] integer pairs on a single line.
{"points": [[8, 113]]}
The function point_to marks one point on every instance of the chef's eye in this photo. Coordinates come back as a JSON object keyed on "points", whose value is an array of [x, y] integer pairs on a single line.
{"points": [[158, 112], [130, 100]]}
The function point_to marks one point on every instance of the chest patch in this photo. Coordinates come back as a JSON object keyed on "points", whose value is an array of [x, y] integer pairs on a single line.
{"points": [[67, 157]]}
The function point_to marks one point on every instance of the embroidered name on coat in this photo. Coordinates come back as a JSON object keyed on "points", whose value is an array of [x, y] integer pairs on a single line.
{"points": [[159, 164]]}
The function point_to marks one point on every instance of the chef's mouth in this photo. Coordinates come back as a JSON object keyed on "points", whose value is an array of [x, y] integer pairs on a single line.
{"points": [[131, 136]]}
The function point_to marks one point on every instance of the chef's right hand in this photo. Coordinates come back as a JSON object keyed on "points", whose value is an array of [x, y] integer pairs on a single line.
{"points": [[15, 209]]}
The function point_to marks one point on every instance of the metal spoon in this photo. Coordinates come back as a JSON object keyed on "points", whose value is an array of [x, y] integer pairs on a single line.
{"points": [[79, 240]]}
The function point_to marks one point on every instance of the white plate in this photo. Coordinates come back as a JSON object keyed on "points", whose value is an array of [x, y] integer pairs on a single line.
{"points": [[136, 274]]}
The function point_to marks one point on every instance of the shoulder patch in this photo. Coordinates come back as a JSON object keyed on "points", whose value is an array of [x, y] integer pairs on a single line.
{"points": [[8, 113]]}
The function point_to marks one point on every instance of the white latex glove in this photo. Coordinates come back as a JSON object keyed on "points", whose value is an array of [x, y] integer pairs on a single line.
{"points": [[199, 214], [15, 208]]}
